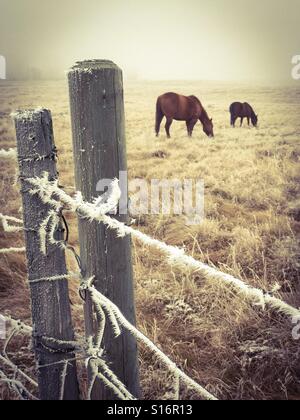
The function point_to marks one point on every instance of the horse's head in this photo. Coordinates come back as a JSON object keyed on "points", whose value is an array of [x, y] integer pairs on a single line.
{"points": [[208, 128], [254, 119]]}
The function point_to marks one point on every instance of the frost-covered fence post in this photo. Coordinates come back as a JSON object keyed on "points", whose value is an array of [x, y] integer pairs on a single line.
{"points": [[98, 124], [51, 314]]}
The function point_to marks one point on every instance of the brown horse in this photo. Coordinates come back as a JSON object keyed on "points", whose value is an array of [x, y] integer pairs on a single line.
{"points": [[182, 108], [239, 110]]}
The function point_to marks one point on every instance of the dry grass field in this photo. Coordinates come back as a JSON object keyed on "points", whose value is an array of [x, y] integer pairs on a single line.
{"points": [[251, 230]]}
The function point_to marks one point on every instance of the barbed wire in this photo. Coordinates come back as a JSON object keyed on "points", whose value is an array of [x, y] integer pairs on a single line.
{"points": [[52, 195], [92, 348], [8, 228], [94, 351], [11, 228], [91, 354], [12, 250], [118, 321], [18, 325], [15, 382]]}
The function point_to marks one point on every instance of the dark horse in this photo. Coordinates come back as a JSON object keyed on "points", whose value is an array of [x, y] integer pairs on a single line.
{"points": [[239, 110], [182, 108]]}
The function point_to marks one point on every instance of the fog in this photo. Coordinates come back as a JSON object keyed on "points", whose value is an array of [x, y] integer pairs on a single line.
{"points": [[166, 39]]}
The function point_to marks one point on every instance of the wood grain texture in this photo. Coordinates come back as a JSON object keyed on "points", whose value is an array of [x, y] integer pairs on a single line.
{"points": [[51, 314], [98, 124]]}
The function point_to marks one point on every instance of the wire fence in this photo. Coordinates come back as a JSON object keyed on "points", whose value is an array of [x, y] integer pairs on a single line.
{"points": [[107, 313], [18, 382]]}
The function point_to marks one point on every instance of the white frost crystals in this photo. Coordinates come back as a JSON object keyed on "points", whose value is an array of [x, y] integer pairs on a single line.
{"points": [[56, 198], [16, 226], [26, 115]]}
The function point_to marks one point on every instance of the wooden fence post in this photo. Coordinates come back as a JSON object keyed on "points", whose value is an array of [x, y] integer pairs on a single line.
{"points": [[98, 124], [51, 314]]}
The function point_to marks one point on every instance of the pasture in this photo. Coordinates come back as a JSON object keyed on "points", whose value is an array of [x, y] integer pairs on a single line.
{"points": [[251, 230]]}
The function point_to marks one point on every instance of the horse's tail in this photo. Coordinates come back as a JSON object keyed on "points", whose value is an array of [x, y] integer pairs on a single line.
{"points": [[159, 116]]}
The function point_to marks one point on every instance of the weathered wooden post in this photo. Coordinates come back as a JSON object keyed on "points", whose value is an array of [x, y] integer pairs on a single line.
{"points": [[51, 314], [98, 124]]}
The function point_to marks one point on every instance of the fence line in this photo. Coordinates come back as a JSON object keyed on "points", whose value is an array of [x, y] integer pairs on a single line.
{"points": [[88, 350], [94, 354], [15, 383], [118, 320], [51, 194], [12, 250], [4, 220], [47, 233], [9, 228], [103, 308], [19, 326]]}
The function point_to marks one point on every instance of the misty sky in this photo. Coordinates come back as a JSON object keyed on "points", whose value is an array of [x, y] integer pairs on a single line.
{"points": [[155, 39]]}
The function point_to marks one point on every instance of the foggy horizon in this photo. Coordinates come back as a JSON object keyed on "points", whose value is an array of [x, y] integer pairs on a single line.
{"points": [[222, 40]]}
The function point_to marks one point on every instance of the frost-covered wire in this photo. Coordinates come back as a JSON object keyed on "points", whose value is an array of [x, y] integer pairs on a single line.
{"points": [[63, 380], [58, 200], [51, 194], [12, 250], [7, 227], [51, 279], [15, 383], [116, 314], [17, 325]]}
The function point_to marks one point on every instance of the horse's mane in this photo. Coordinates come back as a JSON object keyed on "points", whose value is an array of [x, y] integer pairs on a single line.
{"points": [[195, 99], [204, 114], [251, 109]]}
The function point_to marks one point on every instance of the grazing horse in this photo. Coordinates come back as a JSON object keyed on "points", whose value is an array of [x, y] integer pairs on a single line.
{"points": [[239, 110], [182, 108]]}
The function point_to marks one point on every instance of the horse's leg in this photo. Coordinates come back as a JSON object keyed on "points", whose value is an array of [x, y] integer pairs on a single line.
{"points": [[242, 120], [192, 124], [159, 118], [248, 119], [168, 125], [188, 128], [233, 120]]}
